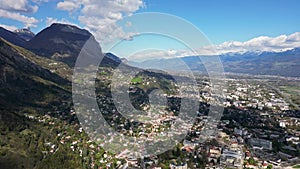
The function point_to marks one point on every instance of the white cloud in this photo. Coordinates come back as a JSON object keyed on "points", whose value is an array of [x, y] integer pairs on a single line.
{"points": [[16, 10], [18, 6], [8, 27], [50, 21], [39, 1], [258, 44], [158, 54], [28, 21], [100, 16], [69, 5]]}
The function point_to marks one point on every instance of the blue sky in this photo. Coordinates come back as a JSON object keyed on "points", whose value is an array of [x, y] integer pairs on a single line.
{"points": [[241, 20], [222, 21]]}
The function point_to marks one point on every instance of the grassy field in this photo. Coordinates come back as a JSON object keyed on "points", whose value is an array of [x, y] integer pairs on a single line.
{"points": [[296, 166], [137, 80], [293, 93]]}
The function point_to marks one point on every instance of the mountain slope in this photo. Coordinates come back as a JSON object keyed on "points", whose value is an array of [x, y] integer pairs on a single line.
{"points": [[11, 37], [24, 83], [29, 86]]}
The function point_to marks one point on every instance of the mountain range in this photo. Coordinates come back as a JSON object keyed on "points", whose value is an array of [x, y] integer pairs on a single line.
{"points": [[63, 43], [286, 63]]}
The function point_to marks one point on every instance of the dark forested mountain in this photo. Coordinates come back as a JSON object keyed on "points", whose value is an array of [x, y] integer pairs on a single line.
{"points": [[113, 57], [60, 42], [23, 82]]}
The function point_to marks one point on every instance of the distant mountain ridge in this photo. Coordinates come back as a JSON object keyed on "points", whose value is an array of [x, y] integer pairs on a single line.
{"points": [[25, 33], [285, 63]]}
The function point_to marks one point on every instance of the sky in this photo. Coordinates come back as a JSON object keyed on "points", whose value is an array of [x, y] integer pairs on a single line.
{"points": [[230, 25]]}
